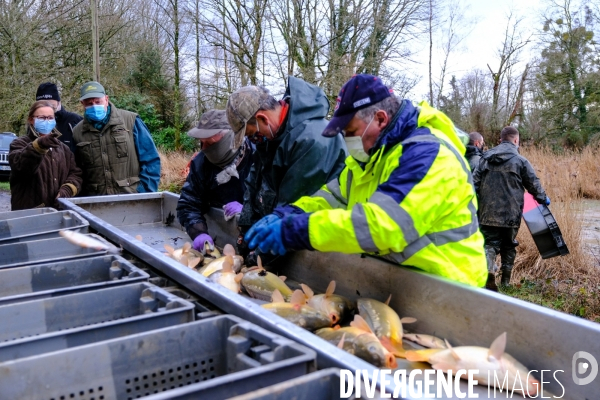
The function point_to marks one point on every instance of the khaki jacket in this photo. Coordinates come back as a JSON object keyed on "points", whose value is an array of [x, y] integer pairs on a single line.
{"points": [[108, 158]]}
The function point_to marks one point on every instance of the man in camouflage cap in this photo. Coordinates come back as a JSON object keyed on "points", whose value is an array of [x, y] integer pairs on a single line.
{"points": [[216, 177], [293, 158]]}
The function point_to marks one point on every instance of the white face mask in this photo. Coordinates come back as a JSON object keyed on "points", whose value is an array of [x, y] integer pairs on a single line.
{"points": [[355, 148], [355, 145]]}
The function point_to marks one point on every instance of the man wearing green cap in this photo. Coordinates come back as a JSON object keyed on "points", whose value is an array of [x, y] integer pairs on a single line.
{"points": [[113, 147]]}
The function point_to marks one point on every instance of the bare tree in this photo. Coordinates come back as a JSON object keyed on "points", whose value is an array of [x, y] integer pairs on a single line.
{"points": [[453, 30], [237, 27], [170, 20], [430, 20], [514, 41], [517, 110]]}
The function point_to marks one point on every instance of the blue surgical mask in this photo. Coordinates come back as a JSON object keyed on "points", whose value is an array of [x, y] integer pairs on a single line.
{"points": [[44, 127], [95, 113]]}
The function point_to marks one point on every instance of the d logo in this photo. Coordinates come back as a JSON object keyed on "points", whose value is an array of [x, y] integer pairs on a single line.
{"points": [[581, 367]]}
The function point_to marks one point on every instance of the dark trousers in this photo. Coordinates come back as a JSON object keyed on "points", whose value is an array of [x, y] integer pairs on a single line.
{"points": [[501, 241]]}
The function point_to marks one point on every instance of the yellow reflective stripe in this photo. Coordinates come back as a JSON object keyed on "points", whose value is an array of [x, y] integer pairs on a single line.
{"points": [[361, 229], [398, 214]]}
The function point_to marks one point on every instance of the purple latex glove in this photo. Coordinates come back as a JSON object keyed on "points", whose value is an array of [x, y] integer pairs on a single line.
{"points": [[200, 240], [231, 209]]}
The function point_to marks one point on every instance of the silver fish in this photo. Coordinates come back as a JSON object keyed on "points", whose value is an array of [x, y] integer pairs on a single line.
{"points": [[87, 241]]}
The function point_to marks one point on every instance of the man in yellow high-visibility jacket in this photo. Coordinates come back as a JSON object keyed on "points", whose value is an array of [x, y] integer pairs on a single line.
{"points": [[406, 193]]}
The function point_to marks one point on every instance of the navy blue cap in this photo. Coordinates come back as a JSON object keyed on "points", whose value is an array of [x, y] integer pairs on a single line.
{"points": [[361, 91]]}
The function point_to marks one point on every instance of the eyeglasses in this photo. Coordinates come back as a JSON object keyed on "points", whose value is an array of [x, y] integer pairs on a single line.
{"points": [[44, 118]]}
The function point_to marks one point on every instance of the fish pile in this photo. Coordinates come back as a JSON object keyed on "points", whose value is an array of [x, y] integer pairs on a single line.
{"points": [[261, 284], [297, 311], [488, 362], [214, 260], [376, 332], [359, 339], [185, 255]]}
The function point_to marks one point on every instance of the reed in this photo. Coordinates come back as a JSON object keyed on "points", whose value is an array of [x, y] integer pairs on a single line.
{"points": [[172, 174], [569, 283]]}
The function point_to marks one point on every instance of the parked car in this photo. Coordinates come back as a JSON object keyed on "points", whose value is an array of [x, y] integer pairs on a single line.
{"points": [[5, 140]]}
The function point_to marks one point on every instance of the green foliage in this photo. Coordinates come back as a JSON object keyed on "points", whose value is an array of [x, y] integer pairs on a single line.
{"points": [[573, 140], [165, 139], [576, 299], [174, 188], [163, 135], [141, 105], [147, 75], [568, 81], [5, 186]]}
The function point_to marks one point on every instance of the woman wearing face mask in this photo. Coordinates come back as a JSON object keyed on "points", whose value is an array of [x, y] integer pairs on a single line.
{"points": [[216, 177], [42, 167]]}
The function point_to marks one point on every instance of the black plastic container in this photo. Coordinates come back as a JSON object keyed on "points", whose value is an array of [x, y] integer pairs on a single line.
{"points": [[544, 229]]}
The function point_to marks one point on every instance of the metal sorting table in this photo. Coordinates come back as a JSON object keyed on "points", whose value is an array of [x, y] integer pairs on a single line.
{"points": [[80, 323], [65, 277], [320, 385], [40, 226], [44, 251], [25, 213], [540, 338], [214, 357]]}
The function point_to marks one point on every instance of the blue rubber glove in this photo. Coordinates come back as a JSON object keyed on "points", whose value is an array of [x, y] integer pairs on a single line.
{"points": [[547, 200], [266, 234], [272, 243], [263, 221], [200, 240]]}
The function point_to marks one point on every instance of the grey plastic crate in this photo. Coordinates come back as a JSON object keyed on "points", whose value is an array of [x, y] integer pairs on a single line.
{"points": [[320, 385], [216, 358], [34, 227], [38, 317], [24, 213], [66, 277], [130, 310], [43, 251]]}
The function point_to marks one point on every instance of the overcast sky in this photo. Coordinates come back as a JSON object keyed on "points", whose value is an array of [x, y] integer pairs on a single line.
{"points": [[480, 47]]}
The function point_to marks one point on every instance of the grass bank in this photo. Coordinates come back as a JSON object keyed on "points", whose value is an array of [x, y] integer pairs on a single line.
{"points": [[5, 186], [570, 283], [173, 170]]}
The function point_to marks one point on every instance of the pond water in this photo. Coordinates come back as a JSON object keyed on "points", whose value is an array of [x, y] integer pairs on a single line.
{"points": [[591, 224]]}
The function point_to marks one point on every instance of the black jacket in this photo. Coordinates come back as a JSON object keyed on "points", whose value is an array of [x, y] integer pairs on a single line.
{"points": [[500, 181], [473, 155], [201, 191], [65, 118]]}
